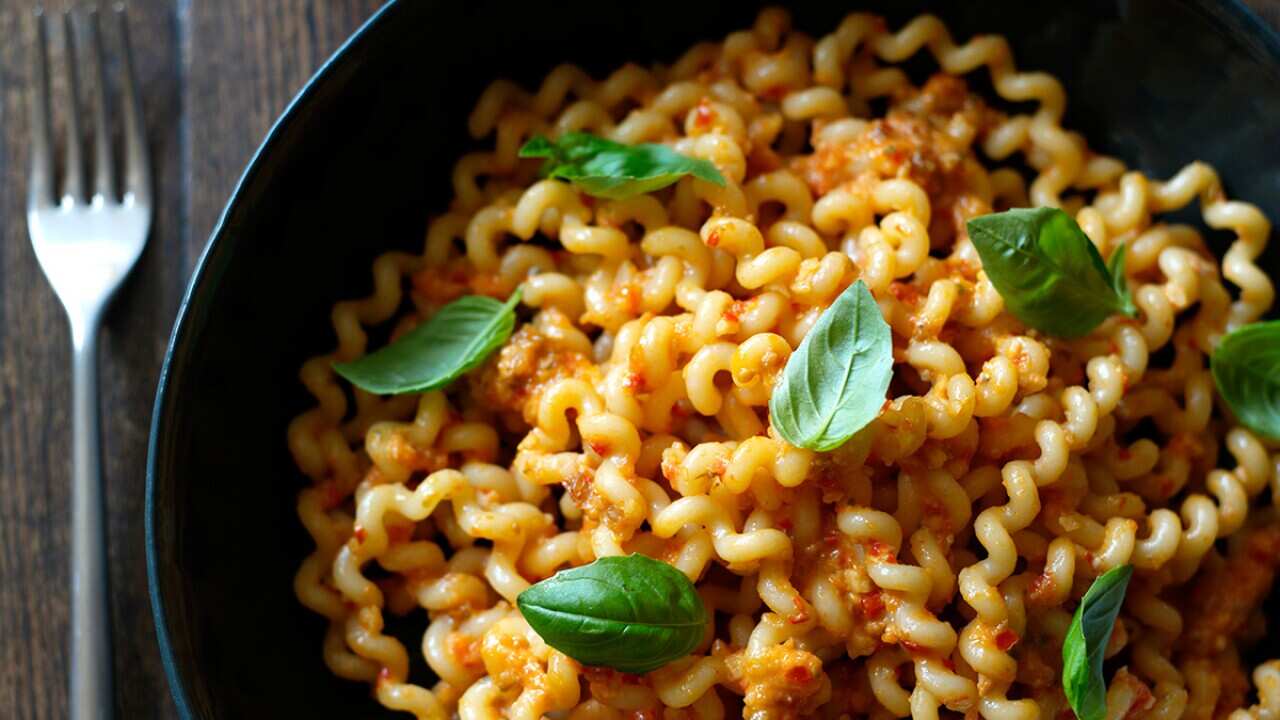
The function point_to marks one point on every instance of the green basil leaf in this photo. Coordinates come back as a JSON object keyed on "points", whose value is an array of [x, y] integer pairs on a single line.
{"points": [[611, 170], [1246, 368], [633, 614], [1048, 271], [454, 340], [1115, 268], [835, 382], [1086, 641]]}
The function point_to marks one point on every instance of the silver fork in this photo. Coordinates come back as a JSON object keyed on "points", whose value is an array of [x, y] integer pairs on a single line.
{"points": [[86, 245]]}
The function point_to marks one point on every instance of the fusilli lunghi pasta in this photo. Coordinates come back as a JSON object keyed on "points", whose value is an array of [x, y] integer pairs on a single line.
{"points": [[928, 565]]}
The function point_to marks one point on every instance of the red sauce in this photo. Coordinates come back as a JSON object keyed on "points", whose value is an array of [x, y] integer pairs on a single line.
{"points": [[882, 551], [398, 533], [1006, 639], [774, 92], [872, 605], [799, 675]]}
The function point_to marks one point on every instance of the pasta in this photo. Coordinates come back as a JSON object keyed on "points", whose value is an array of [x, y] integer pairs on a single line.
{"points": [[928, 566]]}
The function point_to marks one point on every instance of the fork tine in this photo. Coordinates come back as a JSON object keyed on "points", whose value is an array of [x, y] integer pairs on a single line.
{"points": [[40, 192], [103, 167], [73, 177], [137, 162]]}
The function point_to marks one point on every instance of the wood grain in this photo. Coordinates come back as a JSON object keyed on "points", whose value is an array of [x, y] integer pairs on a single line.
{"points": [[214, 75]]}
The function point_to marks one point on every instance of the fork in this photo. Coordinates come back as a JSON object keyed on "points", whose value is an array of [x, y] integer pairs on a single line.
{"points": [[86, 245]]}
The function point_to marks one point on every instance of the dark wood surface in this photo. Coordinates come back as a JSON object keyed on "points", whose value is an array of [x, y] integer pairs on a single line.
{"points": [[214, 74]]}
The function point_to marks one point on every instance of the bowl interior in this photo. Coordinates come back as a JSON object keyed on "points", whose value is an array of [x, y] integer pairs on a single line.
{"points": [[364, 156]]}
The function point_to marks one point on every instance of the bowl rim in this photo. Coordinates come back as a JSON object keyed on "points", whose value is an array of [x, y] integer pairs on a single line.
{"points": [[1240, 14], [176, 682]]}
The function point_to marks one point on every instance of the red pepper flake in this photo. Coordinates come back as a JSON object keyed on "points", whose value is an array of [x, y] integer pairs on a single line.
{"points": [[713, 238], [1040, 586], [703, 115], [359, 534], [801, 614], [384, 675], [635, 383], [832, 537], [399, 533], [882, 551], [736, 310], [587, 200], [631, 296], [599, 448], [1006, 639], [680, 409], [872, 605], [798, 675]]}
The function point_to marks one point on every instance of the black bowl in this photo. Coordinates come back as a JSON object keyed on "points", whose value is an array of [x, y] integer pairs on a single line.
{"points": [[363, 155]]}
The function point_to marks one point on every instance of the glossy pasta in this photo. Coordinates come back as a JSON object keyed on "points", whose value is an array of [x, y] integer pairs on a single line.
{"points": [[930, 565]]}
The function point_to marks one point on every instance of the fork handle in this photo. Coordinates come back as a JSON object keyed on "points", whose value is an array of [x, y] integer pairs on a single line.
{"points": [[91, 686]]}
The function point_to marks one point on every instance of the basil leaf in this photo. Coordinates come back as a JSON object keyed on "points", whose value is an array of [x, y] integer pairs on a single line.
{"points": [[1115, 269], [633, 614], [1048, 271], [454, 340], [1086, 641], [835, 382], [1246, 368], [611, 170]]}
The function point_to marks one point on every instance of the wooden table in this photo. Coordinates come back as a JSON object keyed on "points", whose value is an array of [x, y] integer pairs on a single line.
{"points": [[214, 75]]}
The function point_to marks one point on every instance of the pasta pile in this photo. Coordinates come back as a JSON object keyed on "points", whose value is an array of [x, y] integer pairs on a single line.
{"points": [[931, 564]]}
